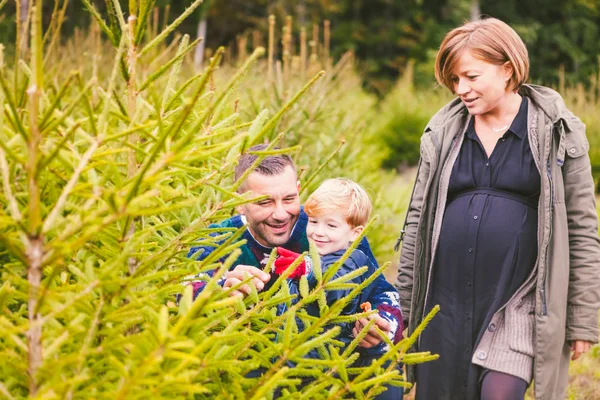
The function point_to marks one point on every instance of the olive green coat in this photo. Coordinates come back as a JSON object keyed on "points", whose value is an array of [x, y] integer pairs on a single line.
{"points": [[567, 273]]}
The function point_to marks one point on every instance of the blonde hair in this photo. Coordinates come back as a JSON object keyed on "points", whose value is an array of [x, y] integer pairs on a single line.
{"points": [[343, 195], [490, 40]]}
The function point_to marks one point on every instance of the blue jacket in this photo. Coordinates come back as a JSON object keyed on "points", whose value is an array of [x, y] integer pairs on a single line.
{"points": [[379, 293]]}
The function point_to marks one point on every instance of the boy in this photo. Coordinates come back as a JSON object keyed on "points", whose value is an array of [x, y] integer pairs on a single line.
{"points": [[337, 212]]}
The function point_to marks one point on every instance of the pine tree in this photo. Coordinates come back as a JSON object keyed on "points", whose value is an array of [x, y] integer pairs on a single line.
{"points": [[110, 172]]}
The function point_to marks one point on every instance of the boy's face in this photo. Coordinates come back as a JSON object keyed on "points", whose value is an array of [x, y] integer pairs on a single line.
{"points": [[331, 232], [271, 220]]}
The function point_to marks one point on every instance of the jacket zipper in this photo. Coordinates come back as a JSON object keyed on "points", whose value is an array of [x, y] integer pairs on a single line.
{"points": [[543, 283]]}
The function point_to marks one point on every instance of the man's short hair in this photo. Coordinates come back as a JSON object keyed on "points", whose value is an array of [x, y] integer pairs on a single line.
{"points": [[343, 195], [270, 165], [490, 40]]}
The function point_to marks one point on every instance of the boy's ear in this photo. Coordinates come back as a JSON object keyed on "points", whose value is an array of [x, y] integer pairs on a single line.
{"points": [[356, 231], [298, 185]]}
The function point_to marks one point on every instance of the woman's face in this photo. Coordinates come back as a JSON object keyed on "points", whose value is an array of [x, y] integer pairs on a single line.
{"points": [[481, 85]]}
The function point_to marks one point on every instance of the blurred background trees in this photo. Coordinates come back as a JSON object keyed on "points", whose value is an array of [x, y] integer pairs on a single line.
{"points": [[390, 39], [386, 34]]}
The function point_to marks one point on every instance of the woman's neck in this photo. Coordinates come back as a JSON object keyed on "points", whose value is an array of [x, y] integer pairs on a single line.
{"points": [[503, 114]]}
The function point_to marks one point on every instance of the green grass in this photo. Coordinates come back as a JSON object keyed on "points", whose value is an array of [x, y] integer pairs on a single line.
{"points": [[584, 377]]}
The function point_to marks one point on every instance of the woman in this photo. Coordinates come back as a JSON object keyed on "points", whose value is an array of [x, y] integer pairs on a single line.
{"points": [[502, 229]]}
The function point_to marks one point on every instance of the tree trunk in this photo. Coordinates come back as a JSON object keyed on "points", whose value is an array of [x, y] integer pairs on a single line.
{"points": [[34, 333], [23, 29], [301, 11], [475, 10], [199, 52]]}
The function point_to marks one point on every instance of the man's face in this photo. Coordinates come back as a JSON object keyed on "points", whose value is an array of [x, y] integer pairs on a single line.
{"points": [[271, 220]]}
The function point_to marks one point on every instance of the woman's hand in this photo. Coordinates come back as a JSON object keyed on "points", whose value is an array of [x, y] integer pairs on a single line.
{"points": [[578, 347]]}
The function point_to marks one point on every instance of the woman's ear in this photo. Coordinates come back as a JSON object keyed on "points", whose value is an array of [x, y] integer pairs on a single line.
{"points": [[508, 71]]}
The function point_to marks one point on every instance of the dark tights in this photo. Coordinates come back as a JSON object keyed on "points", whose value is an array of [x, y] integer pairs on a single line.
{"points": [[500, 386]]}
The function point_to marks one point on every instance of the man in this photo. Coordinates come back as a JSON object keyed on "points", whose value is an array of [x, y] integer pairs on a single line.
{"points": [[277, 221]]}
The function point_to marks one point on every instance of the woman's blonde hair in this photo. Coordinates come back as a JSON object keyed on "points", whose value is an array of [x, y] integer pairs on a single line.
{"points": [[343, 195], [490, 40]]}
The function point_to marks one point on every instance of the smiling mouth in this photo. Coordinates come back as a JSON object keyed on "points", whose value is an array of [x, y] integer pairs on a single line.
{"points": [[469, 101], [279, 228]]}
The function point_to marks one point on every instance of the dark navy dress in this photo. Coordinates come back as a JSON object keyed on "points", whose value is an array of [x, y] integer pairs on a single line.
{"points": [[487, 249]]}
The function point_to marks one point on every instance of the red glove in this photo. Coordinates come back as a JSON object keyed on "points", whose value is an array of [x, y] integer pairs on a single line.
{"points": [[285, 259]]}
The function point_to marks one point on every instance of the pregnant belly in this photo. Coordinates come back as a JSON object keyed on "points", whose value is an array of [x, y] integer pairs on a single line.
{"points": [[486, 222]]}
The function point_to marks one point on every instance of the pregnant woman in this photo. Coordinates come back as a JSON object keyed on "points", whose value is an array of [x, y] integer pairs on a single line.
{"points": [[502, 230]]}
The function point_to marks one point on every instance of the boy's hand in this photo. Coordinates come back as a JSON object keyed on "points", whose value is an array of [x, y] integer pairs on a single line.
{"points": [[372, 339], [241, 273], [287, 258]]}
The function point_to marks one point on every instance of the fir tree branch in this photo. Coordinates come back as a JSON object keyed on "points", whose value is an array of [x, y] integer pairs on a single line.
{"points": [[168, 65], [162, 36], [120, 16], [12, 201], [265, 387], [59, 96], [145, 7], [322, 165], [234, 82], [59, 17], [5, 392], [289, 104], [90, 7], [62, 200], [86, 344], [13, 108], [102, 123], [412, 339]]}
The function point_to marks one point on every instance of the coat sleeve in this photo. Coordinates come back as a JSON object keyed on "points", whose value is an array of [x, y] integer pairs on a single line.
{"points": [[404, 281], [199, 253], [584, 244], [386, 300], [199, 280]]}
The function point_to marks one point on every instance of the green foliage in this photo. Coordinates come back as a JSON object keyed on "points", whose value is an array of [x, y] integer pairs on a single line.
{"points": [[559, 33], [403, 115], [106, 186], [585, 104], [385, 35]]}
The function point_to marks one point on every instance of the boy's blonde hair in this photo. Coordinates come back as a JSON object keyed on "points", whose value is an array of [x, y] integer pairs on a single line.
{"points": [[343, 195], [490, 40]]}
